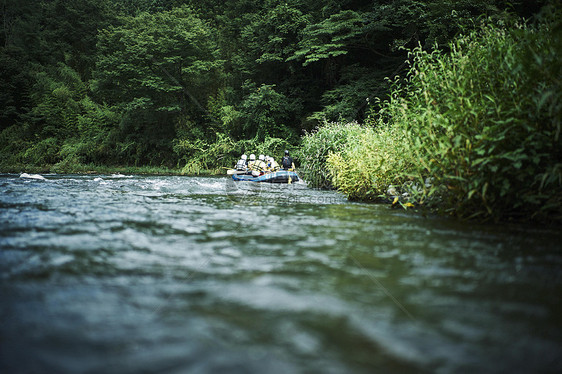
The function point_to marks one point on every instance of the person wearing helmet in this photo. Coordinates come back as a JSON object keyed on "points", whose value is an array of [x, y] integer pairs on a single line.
{"points": [[241, 164], [252, 162], [266, 164], [260, 164], [273, 165], [287, 162], [257, 167]]}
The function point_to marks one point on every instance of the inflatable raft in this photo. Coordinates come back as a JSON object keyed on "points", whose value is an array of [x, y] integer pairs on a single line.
{"points": [[281, 176]]}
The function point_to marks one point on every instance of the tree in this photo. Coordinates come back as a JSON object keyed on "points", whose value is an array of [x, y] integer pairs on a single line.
{"points": [[156, 68], [267, 113]]}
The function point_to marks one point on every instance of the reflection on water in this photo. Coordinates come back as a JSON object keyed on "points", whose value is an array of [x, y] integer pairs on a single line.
{"points": [[128, 274]]}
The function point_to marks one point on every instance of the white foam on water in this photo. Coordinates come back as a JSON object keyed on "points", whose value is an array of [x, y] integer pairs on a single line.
{"points": [[32, 176], [211, 185], [101, 181], [157, 184]]}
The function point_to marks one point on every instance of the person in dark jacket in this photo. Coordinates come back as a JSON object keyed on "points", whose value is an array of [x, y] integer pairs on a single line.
{"points": [[287, 162]]}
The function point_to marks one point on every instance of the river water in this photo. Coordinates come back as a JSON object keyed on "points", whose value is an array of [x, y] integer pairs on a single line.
{"points": [[131, 274]]}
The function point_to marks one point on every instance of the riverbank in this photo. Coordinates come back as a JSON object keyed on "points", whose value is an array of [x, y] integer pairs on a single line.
{"points": [[97, 169]]}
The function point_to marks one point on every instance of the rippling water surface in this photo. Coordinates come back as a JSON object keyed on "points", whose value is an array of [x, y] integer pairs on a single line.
{"points": [[129, 274]]}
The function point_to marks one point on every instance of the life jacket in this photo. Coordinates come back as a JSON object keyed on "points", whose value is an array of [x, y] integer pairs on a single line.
{"points": [[260, 166], [274, 166], [257, 165], [241, 165]]}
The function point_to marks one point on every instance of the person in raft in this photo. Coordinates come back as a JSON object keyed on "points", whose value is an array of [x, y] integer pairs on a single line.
{"points": [[257, 167], [252, 162], [242, 163], [273, 165], [261, 165], [287, 162]]}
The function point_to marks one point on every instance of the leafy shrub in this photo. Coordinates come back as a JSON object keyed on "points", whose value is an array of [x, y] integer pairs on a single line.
{"points": [[13, 144], [274, 147], [481, 123], [370, 162], [317, 146], [43, 152], [484, 121]]}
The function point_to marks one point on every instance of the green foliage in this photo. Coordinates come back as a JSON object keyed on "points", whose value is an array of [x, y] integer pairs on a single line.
{"points": [[474, 132], [136, 7], [354, 49], [56, 31], [265, 112], [13, 143], [163, 62], [56, 95], [274, 147], [41, 152], [156, 68], [211, 157], [369, 163], [352, 97], [93, 142], [65, 125], [274, 36], [484, 130], [15, 83], [87, 83], [329, 38], [317, 146]]}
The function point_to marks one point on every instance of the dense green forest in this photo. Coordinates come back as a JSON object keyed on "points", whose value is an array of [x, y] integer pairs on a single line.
{"points": [[368, 93], [196, 82]]}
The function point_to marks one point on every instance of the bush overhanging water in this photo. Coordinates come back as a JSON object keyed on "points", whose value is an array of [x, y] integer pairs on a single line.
{"points": [[474, 132]]}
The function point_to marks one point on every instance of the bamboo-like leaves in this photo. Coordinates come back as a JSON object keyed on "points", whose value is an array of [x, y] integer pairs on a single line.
{"points": [[481, 122]]}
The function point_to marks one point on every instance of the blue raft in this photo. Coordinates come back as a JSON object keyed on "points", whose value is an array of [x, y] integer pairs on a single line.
{"points": [[281, 176]]}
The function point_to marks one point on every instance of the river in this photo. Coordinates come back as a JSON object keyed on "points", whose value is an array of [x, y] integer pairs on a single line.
{"points": [[144, 274]]}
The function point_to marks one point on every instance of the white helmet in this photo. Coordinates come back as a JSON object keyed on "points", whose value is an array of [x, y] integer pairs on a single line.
{"points": [[243, 157], [252, 157], [262, 157]]}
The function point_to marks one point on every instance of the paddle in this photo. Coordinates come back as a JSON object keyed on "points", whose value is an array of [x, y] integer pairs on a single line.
{"points": [[234, 171], [292, 168]]}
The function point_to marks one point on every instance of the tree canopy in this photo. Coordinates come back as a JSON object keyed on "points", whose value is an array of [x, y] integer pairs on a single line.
{"points": [[161, 82]]}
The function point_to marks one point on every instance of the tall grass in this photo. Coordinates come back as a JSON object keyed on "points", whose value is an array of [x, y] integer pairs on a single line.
{"points": [[474, 132], [484, 123], [375, 159], [317, 146]]}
